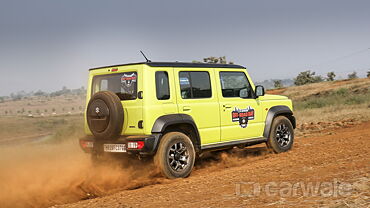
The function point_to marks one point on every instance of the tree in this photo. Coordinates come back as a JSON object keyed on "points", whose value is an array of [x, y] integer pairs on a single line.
{"points": [[330, 76], [368, 74], [278, 84], [40, 93], [307, 77], [352, 75]]}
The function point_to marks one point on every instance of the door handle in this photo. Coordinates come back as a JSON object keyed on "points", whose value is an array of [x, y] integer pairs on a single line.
{"points": [[186, 108], [226, 106]]}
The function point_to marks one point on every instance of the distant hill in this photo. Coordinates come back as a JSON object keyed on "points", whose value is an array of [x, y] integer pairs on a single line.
{"points": [[269, 84], [24, 95]]}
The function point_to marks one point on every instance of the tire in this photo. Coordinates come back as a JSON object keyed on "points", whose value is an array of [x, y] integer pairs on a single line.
{"points": [[105, 115], [281, 136], [172, 159]]}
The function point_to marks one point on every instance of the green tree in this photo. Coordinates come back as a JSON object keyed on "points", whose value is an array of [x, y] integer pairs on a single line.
{"points": [[278, 84], [352, 75], [307, 77], [368, 74], [330, 76]]}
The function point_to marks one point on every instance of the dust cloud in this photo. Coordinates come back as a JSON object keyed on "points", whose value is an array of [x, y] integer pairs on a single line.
{"points": [[43, 175]]}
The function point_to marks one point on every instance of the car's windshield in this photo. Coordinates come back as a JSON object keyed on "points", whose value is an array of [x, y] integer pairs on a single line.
{"points": [[123, 84]]}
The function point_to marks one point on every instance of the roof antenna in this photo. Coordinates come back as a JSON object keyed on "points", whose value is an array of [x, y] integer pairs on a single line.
{"points": [[147, 60]]}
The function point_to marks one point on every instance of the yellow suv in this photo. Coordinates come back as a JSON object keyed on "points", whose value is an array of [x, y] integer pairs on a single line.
{"points": [[173, 111]]}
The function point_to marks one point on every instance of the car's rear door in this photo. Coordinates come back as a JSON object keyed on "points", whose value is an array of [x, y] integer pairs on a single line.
{"points": [[197, 97]]}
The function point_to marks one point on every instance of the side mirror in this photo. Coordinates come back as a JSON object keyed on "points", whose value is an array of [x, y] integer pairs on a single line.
{"points": [[244, 93], [260, 90]]}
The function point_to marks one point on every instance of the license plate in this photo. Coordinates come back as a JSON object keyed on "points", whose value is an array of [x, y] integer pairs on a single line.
{"points": [[114, 147]]}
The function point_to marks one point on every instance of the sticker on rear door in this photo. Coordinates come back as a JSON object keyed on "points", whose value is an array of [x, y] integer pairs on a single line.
{"points": [[242, 116]]}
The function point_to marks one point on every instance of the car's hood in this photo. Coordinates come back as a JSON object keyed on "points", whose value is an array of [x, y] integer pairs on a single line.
{"points": [[273, 97]]}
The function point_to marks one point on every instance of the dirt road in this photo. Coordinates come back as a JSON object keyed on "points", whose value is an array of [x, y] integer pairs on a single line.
{"points": [[327, 170]]}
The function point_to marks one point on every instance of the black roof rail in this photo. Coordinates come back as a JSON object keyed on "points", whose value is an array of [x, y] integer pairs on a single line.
{"points": [[178, 64]]}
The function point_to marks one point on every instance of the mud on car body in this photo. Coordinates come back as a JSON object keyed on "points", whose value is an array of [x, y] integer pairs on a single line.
{"points": [[172, 111]]}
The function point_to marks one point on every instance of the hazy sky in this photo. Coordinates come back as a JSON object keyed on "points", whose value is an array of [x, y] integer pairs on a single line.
{"points": [[49, 44]]}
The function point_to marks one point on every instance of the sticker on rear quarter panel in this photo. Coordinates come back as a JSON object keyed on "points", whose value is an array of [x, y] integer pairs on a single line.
{"points": [[242, 116]]}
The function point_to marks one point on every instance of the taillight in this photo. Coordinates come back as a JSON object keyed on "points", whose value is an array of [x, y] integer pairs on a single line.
{"points": [[135, 145], [86, 144]]}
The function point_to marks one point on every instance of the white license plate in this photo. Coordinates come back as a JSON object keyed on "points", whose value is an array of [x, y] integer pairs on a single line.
{"points": [[114, 147]]}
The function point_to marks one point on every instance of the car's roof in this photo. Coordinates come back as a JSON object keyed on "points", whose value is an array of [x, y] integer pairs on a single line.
{"points": [[178, 64]]}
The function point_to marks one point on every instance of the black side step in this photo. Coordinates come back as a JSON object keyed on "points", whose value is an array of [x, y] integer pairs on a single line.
{"points": [[246, 142]]}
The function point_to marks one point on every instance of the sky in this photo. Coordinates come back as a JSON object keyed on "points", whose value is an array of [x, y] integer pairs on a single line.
{"points": [[48, 44]]}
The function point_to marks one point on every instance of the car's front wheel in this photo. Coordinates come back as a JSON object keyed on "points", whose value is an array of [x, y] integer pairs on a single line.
{"points": [[175, 155], [281, 135]]}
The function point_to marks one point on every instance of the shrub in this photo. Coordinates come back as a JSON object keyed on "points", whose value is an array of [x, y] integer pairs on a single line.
{"points": [[278, 84], [355, 100], [307, 77], [352, 75], [342, 92], [330, 76]]}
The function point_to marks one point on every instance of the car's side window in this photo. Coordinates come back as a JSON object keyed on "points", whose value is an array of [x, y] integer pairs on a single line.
{"points": [[235, 84], [195, 85], [162, 85]]}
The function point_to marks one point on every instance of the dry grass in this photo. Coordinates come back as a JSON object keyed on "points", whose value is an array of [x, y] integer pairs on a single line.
{"points": [[64, 104], [13, 128], [334, 113], [298, 93], [330, 101]]}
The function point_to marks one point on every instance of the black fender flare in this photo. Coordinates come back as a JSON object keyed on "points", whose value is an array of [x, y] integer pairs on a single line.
{"points": [[276, 111], [163, 122]]}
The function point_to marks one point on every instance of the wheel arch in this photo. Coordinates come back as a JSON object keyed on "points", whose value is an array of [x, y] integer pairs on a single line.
{"points": [[280, 110], [178, 122]]}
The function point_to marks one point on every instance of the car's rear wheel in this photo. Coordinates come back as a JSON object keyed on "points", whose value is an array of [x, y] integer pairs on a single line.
{"points": [[175, 155], [281, 135]]}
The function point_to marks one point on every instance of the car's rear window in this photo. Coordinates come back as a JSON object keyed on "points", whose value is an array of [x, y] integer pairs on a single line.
{"points": [[123, 84]]}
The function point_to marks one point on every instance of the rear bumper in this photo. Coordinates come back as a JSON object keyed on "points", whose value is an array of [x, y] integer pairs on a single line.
{"points": [[91, 145]]}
